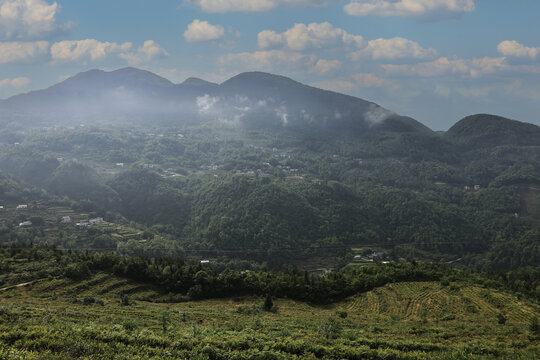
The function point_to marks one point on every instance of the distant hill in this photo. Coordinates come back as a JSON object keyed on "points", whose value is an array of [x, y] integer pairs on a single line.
{"points": [[483, 130], [250, 100]]}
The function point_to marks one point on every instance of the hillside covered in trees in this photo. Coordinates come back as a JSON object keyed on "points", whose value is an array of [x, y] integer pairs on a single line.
{"points": [[267, 190]]}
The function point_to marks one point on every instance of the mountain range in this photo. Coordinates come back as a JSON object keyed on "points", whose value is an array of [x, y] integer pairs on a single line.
{"points": [[252, 100]]}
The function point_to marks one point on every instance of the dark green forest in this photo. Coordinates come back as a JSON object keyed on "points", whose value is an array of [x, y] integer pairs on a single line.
{"points": [[281, 197]]}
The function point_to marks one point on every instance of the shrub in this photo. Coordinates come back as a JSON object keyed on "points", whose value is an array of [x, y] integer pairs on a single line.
{"points": [[331, 328], [534, 326], [124, 300], [77, 271], [268, 303], [247, 310], [89, 300], [129, 325]]}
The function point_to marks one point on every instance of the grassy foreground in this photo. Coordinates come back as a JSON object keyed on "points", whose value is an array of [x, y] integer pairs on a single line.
{"points": [[106, 317]]}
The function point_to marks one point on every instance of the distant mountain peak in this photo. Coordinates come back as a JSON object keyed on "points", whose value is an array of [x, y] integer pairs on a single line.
{"points": [[481, 130], [193, 81], [126, 76], [260, 77]]}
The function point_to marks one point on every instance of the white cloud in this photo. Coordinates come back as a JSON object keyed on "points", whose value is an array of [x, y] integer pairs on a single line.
{"points": [[326, 66], [268, 60], [376, 114], [445, 66], [221, 6], [394, 48], [314, 35], [94, 50], [515, 49], [21, 51], [418, 8], [269, 38], [74, 50], [15, 83], [29, 19], [359, 80], [369, 80], [338, 85], [146, 53], [206, 103], [203, 31]]}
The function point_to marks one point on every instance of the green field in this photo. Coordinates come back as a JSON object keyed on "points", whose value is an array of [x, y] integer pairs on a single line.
{"points": [[60, 318]]}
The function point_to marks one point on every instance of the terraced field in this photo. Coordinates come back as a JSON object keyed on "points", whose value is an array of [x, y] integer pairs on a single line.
{"points": [[52, 226], [107, 317]]}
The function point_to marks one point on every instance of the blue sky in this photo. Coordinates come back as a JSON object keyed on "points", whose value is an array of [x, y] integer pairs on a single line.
{"points": [[434, 60]]}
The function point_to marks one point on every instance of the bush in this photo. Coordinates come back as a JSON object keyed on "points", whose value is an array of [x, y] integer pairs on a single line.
{"points": [[331, 328], [124, 300], [89, 300], [268, 303], [535, 326], [247, 310], [342, 314], [77, 271], [129, 325]]}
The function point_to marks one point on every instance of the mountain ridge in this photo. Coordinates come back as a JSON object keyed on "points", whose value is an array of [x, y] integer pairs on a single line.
{"points": [[251, 99]]}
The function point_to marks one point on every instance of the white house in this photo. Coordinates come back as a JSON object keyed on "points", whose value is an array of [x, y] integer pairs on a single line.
{"points": [[97, 220], [476, 187], [81, 224], [21, 207], [66, 219], [26, 223]]}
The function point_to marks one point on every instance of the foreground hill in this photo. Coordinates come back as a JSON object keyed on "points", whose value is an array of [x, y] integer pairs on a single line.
{"points": [[104, 316], [249, 100]]}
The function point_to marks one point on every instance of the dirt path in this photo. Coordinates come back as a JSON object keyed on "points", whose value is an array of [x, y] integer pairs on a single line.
{"points": [[20, 285]]}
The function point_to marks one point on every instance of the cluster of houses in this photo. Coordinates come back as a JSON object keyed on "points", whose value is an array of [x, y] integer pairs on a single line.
{"points": [[375, 256], [475, 187], [19, 207], [67, 220], [93, 221]]}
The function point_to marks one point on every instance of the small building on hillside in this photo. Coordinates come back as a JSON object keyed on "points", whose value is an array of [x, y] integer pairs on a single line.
{"points": [[1, 207], [21, 207], [65, 219], [81, 224], [26, 223], [94, 221], [476, 187]]}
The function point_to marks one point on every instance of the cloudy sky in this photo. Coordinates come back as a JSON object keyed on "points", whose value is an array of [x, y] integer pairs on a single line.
{"points": [[434, 60]]}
